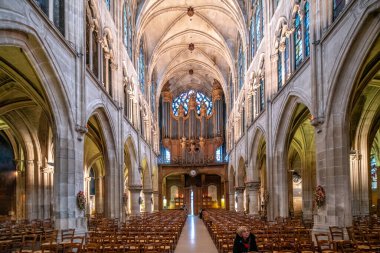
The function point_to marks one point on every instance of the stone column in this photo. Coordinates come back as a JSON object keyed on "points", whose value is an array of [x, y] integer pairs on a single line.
{"points": [[240, 198], [156, 200], [29, 191], [148, 199], [232, 201], [134, 201], [253, 193]]}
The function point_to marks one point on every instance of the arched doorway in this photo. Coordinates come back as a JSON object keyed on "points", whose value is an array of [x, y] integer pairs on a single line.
{"points": [[94, 167], [364, 121], [27, 140], [301, 163]]}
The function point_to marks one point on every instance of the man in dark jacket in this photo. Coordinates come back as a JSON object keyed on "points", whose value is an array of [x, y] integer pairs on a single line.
{"points": [[245, 241]]}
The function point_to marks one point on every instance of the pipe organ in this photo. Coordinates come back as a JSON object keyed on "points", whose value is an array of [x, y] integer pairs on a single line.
{"points": [[193, 137]]}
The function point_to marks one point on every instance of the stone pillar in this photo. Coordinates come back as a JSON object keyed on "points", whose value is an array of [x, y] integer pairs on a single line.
{"points": [[148, 199], [253, 193], [134, 201], [240, 198], [29, 191], [156, 200], [48, 172], [232, 201]]}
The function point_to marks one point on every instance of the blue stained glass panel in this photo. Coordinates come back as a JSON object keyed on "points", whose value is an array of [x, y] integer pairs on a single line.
{"points": [[298, 41], [307, 29], [218, 154], [262, 100], [287, 59], [108, 4], [184, 100], [252, 37], [259, 22], [142, 68], [373, 173]]}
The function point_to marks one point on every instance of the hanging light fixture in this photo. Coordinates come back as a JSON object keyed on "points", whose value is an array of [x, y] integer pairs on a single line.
{"points": [[191, 47]]}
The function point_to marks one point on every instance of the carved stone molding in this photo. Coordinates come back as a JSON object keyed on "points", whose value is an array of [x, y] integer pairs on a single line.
{"points": [[147, 191], [253, 186], [239, 189], [137, 187]]}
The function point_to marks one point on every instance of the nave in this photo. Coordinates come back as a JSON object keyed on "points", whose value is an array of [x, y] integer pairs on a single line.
{"points": [[195, 237]]}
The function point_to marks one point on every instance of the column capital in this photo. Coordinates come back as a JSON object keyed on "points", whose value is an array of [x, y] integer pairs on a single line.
{"points": [[253, 186], [147, 191], [136, 187], [239, 189]]}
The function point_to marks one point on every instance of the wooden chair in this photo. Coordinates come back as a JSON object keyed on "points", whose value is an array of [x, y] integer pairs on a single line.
{"points": [[28, 243], [324, 244]]}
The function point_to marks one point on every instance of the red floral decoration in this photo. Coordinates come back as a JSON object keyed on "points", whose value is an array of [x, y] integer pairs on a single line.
{"points": [[81, 200], [319, 196]]}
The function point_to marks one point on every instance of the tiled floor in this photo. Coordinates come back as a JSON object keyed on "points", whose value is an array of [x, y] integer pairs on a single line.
{"points": [[195, 238]]}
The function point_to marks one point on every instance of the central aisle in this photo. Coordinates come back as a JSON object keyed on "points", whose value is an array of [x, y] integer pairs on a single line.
{"points": [[195, 238]]}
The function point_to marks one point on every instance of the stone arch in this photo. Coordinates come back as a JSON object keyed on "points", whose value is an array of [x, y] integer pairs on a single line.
{"points": [[285, 126], [100, 154], [42, 86], [351, 134]]}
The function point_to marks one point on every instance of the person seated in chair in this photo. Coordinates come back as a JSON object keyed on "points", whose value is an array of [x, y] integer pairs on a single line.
{"points": [[244, 241]]}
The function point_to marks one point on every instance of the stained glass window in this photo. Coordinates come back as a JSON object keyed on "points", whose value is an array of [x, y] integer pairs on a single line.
{"points": [[307, 28], [338, 6], [298, 40], [279, 70], [92, 181], [167, 156], [259, 23], [262, 98], [153, 96], [108, 4], [240, 67], [231, 93], [252, 37], [218, 154], [142, 67], [127, 28], [184, 100], [287, 59], [373, 173]]}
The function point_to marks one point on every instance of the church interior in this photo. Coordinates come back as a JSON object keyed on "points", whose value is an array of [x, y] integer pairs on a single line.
{"points": [[133, 115]]}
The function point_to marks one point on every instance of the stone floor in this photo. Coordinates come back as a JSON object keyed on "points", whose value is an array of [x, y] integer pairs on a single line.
{"points": [[195, 238]]}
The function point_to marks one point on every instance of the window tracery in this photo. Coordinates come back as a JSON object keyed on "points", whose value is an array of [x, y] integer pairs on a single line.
{"points": [[55, 10], [141, 67], [127, 28], [183, 99], [338, 6], [108, 4], [240, 66]]}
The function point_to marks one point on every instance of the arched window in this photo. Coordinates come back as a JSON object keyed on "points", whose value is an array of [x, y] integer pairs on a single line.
{"points": [[286, 59], [338, 6], [373, 173], [153, 96], [231, 88], [262, 95], [298, 40], [307, 28], [141, 68], [127, 28], [57, 15], [108, 4], [252, 37], [183, 99], [279, 70], [259, 23], [92, 189], [240, 66]]}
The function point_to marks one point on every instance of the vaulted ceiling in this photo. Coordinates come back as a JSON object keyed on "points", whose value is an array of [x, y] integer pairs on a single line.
{"points": [[168, 28]]}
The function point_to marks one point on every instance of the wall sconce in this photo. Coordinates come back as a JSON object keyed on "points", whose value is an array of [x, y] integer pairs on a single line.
{"points": [[164, 202]]}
